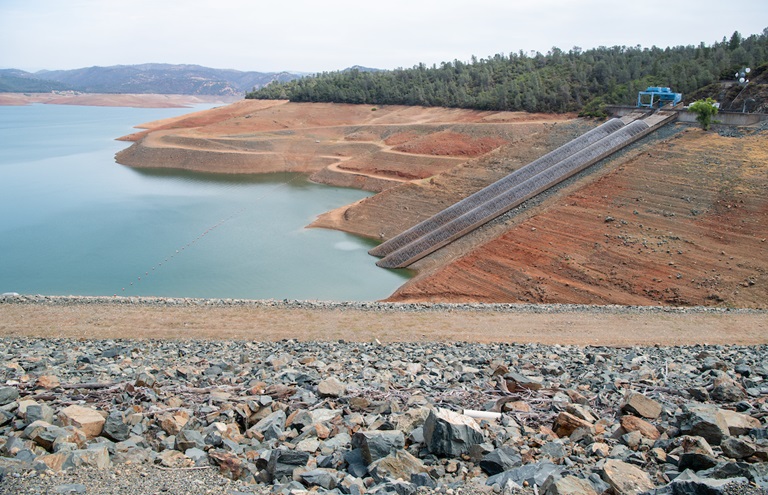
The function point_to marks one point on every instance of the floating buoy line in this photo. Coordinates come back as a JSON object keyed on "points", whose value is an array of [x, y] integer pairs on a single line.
{"points": [[157, 266]]}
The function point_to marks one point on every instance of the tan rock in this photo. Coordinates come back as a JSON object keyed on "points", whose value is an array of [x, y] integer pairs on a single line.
{"points": [[518, 405], [570, 485], [87, 419], [48, 382], [646, 429], [641, 405], [331, 387], [625, 478], [738, 423], [172, 423], [567, 423]]}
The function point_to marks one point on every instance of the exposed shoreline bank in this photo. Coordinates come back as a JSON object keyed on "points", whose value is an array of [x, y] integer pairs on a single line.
{"points": [[111, 100]]}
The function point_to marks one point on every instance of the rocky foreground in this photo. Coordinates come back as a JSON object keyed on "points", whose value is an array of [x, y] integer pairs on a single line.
{"points": [[127, 416]]}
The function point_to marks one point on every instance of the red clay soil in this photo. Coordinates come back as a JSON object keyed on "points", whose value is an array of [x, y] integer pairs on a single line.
{"points": [[328, 140], [683, 223]]}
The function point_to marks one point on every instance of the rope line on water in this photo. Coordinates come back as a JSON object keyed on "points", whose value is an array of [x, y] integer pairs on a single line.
{"points": [[147, 273]]}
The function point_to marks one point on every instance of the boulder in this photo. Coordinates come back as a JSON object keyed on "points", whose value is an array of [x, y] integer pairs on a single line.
{"points": [[500, 460], [283, 462], [566, 423], [530, 474], [331, 387], [115, 427], [375, 445], [640, 405], [229, 464], [87, 419], [739, 423], [697, 454], [173, 422], [725, 389], [324, 478], [737, 448], [448, 433], [189, 439], [8, 395], [625, 479], [399, 464], [517, 380], [689, 482], [634, 423], [706, 421], [272, 426], [569, 485]]}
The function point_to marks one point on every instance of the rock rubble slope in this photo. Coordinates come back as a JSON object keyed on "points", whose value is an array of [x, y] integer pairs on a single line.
{"points": [[353, 418]]}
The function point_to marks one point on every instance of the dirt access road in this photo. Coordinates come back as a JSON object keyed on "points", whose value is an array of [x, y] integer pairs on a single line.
{"points": [[268, 321]]}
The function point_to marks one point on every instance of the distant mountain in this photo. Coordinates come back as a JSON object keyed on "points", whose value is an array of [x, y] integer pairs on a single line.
{"points": [[145, 78], [18, 81]]}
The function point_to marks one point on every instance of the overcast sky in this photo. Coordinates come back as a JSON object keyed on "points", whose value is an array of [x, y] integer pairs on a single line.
{"points": [[323, 35]]}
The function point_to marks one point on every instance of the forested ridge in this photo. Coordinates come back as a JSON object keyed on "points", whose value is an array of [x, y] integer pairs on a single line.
{"points": [[557, 81]]}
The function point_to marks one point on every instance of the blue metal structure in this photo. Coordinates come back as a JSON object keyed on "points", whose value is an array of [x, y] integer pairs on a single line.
{"points": [[657, 97]]}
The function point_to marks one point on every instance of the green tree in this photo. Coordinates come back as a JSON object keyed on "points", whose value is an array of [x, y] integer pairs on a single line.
{"points": [[704, 110]]}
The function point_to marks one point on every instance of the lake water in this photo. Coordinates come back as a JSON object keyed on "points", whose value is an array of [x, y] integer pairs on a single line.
{"points": [[72, 221]]}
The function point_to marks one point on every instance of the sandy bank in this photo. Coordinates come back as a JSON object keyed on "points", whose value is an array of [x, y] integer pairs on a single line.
{"points": [[110, 100]]}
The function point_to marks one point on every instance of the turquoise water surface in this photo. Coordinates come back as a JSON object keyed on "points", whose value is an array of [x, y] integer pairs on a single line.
{"points": [[72, 221]]}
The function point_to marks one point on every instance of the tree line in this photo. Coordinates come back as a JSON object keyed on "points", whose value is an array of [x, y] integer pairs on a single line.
{"points": [[558, 81]]}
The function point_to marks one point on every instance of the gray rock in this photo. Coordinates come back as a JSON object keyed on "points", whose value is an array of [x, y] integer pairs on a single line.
{"points": [[283, 462], [554, 450], [115, 427], [272, 426], [533, 474], [725, 389], [500, 460], [324, 478], [40, 412], [697, 454], [356, 465], [189, 439], [704, 420], [375, 445], [447, 433], [8, 395], [737, 448], [198, 456], [688, 483]]}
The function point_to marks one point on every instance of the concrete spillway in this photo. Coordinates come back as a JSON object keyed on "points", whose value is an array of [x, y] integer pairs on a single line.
{"points": [[487, 193], [505, 194]]}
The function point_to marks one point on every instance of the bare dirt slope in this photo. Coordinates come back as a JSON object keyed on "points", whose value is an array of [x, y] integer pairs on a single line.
{"points": [[681, 218], [349, 145], [681, 222]]}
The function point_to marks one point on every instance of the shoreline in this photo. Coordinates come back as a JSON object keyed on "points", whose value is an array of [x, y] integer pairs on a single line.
{"points": [[113, 100], [96, 318]]}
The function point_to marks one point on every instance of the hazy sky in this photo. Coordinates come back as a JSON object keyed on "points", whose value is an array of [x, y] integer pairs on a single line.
{"points": [[319, 35]]}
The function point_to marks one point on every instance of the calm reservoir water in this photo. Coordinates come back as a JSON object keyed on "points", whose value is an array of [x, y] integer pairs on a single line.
{"points": [[72, 221]]}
